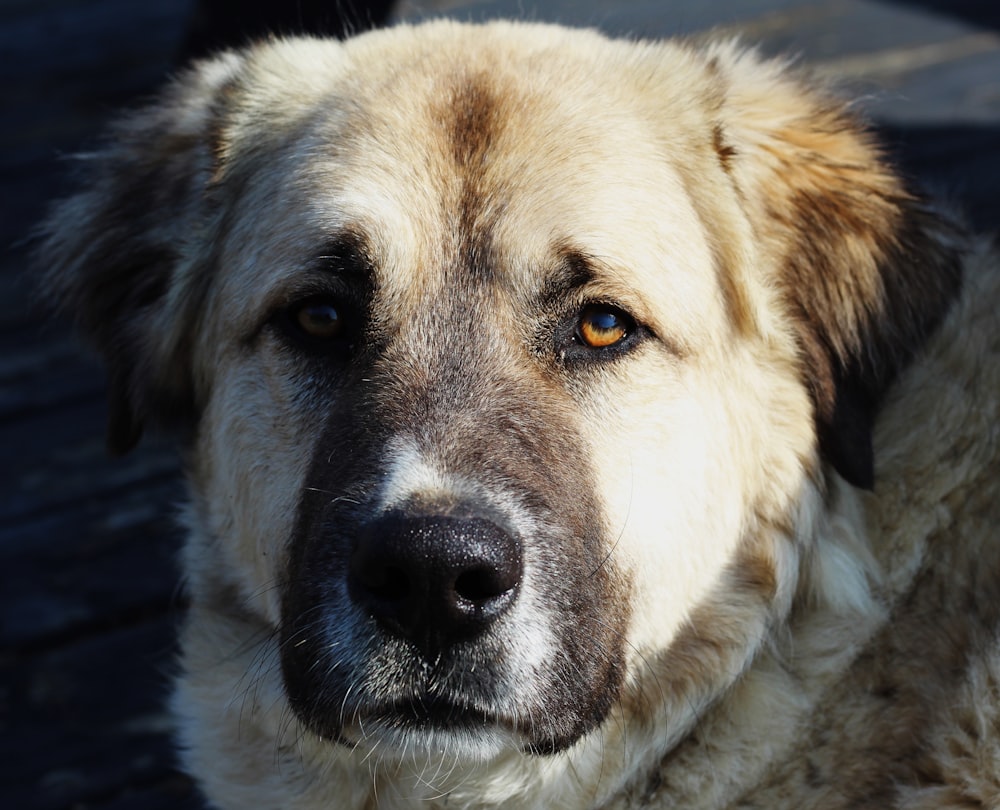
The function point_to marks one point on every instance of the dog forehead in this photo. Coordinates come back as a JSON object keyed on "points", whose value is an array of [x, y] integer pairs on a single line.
{"points": [[466, 153], [462, 169]]}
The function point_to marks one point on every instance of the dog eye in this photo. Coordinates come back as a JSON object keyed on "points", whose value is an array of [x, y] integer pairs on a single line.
{"points": [[601, 326], [319, 324], [319, 319]]}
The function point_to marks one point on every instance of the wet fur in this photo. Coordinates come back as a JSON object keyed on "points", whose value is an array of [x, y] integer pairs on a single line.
{"points": [[761, 563]]}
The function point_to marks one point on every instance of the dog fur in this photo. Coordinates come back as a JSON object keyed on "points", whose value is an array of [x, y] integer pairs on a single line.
{"points": [[751, 551]]}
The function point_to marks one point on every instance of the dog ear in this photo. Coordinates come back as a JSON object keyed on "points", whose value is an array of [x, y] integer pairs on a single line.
{"points": [[118, 254], [865, 268]]}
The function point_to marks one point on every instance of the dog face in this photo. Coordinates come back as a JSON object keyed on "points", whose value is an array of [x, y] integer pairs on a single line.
{"points": [[512, 365], [476, 414]]}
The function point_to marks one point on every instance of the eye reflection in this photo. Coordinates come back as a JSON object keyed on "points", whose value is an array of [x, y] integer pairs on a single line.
{"points": [[601, 326], [319, 319]]}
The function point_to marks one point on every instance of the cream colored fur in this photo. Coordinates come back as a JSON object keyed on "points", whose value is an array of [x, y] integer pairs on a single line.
{"points": [[793, 641]]}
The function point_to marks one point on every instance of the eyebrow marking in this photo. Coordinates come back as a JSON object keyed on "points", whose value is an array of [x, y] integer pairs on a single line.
{"points": [[574, 270], [347, 253]]}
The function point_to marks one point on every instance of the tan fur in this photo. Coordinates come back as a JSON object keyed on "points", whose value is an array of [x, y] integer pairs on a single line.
{"points": [[773, 631]]}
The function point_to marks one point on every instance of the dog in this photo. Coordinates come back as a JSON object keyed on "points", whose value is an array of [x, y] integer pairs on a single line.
{"points": [[568, 422]]}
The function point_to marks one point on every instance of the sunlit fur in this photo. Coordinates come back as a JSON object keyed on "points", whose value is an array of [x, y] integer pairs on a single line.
{"points": [[778, 631]]}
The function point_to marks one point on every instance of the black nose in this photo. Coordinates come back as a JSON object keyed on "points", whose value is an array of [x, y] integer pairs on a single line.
{"points": [[435, 580]]}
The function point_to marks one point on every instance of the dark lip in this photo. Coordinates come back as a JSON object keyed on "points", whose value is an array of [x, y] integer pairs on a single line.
{"points": [[431, 713]]}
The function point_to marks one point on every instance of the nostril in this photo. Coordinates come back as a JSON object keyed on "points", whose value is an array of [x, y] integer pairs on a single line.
{"points": [[482, 584]]}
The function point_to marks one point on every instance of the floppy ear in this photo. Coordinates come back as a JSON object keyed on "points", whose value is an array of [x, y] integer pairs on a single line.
{"points": [[865, 268], [114, 253]]}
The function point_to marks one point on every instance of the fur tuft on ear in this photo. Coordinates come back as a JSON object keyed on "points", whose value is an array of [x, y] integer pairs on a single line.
{"points": [[110, 254], [866, 268]]}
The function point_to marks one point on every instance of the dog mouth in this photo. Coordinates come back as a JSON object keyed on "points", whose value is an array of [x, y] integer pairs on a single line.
{"points": [[430, 714], [430, 721]]}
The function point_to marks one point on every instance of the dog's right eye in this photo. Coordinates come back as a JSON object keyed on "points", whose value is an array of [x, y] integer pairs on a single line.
{"points": [[321, 320]]}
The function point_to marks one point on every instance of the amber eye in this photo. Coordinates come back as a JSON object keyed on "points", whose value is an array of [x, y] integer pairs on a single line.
{"points": [[601, 326], [319, 319]]}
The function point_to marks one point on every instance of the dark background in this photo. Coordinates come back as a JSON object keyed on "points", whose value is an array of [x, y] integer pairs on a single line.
{"points": [[89, 594]]}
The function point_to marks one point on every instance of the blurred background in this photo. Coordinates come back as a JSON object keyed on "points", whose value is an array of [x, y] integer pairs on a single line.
{"points": [[89, 591]]}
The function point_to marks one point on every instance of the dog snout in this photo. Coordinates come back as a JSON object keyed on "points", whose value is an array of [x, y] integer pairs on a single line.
{"points": [[435, 580]]}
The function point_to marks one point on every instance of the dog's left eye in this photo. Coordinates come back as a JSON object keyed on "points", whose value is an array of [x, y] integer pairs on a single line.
{"points": [[602, 326]]}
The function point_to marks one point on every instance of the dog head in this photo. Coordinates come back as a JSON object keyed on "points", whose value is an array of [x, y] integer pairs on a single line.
{"points": [[512, 364]]}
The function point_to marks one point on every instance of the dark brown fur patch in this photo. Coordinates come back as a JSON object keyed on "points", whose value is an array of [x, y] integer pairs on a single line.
{"points": [[724, 150], [868, 275], [854, 346], [755, 573], [573, 269], [472, 117]]}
